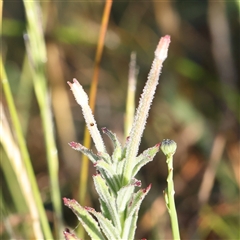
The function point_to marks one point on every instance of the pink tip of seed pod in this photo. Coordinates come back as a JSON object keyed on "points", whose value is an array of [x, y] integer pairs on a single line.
{"points": [[73, 144], [65, 200], [162, 48]]}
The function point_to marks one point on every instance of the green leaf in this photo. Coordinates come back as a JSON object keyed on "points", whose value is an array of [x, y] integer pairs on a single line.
{"points": [[101, 164], [113, 188], [132, 213], [144, 158], [123, 196], [136, 200], [105, 195], [124, 151], [88, 222], [119, 167], [111, 175], [117, 153], [106, 225], [79, 147], [105, 156], [130, 226], [104, 209]]}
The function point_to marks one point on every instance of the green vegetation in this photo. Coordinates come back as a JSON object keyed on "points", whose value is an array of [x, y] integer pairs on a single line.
{"points": [[46, 44]]}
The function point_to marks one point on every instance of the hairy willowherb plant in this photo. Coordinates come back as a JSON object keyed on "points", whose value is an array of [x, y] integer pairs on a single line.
{"points": [[115, 180]]}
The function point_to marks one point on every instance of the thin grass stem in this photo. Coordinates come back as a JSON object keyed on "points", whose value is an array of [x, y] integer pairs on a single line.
{"points": [[25, 155], [37, 55]]}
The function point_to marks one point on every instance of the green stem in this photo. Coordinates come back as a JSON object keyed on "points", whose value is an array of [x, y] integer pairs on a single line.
{"points": [[37, 55], [170, 197], [25, 154]]}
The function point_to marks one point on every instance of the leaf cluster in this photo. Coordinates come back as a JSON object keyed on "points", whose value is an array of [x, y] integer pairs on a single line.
{"points": [[119, 202]]}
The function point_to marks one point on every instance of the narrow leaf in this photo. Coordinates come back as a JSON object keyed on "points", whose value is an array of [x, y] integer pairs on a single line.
{"points": [[88, 222], [105, 195], [144, 158], [105, 156], [123, 196], [124, 151], [119, 167], [104, 209], [105, 166], [130, 226], [108, 169], [106, 225], [79, 147], [117, 153], [137, 200], [132, 213], [113, 187]]}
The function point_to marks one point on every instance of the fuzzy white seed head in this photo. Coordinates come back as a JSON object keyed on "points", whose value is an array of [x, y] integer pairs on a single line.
{"points": [[162, 48], [78, 92], [82, 99]]}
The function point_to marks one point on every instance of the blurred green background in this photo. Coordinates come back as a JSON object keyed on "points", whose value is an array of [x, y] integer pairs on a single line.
{"points": [[196, 104]]}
